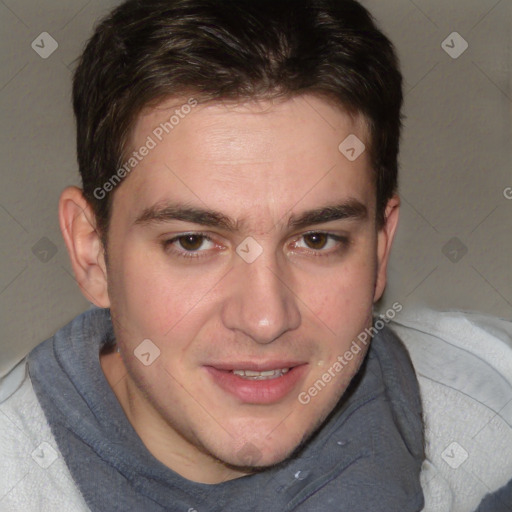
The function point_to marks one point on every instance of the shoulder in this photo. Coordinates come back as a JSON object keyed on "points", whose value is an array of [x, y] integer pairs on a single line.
{"points": [[463, 362], [33, 474]]}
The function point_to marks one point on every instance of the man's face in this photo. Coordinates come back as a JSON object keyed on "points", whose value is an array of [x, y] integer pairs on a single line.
{"points": [[283, 278]]}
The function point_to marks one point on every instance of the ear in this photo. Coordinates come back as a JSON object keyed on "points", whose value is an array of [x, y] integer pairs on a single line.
{"points": [[385, 238], [78, 227]]}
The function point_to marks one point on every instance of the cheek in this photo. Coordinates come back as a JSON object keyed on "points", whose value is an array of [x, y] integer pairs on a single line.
{"points": [[141, 292], [343, 298], [155, 298]]}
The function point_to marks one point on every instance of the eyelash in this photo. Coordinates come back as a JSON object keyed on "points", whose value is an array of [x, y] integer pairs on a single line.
{"points": [[184, 253], [342, 240]]}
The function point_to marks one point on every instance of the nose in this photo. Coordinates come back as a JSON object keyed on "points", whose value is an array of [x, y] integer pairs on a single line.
{"points": [[260, 303]]}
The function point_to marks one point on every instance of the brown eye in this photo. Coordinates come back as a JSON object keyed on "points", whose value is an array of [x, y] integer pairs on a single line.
{"points": [[191, 242], [316, 240], [318, 243], [190, 245]]}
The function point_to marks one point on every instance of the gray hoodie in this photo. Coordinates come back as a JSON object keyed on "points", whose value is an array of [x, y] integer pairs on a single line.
{"points": [[366, 456]]}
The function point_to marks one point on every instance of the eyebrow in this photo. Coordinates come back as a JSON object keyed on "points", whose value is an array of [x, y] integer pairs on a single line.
{"points": [[350, 209]]}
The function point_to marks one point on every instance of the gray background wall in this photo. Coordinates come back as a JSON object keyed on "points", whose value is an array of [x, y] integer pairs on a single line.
{"points": [[454, 242]]}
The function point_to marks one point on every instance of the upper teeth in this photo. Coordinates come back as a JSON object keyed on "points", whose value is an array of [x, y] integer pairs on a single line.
{"points": [[268, 374]]}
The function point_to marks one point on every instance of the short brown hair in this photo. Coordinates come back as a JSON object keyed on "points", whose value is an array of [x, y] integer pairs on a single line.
{"points": [[148, 50]]}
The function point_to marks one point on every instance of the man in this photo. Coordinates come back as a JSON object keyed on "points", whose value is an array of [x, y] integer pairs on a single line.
{"points": [[239, 170]]}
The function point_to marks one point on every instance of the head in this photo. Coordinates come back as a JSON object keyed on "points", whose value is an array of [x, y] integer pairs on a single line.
{"points": [[224, 217]]}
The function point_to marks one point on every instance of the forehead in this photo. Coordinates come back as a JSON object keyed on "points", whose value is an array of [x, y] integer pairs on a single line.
{"points": [[300, 114], [260, 156]]}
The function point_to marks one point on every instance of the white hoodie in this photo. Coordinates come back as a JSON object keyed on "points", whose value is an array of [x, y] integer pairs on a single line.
{"points": [[463, 363]]}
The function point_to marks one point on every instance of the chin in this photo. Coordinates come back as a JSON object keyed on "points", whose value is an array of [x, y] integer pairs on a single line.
{"points": [[263, 453], [251, 460]]}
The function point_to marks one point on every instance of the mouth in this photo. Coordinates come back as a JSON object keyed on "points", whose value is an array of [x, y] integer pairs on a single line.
{"points": [[266, 375], [257, 384]]}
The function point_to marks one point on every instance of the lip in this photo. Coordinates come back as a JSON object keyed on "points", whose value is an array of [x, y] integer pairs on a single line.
{"points": [[261, 392], [255, 366]]}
